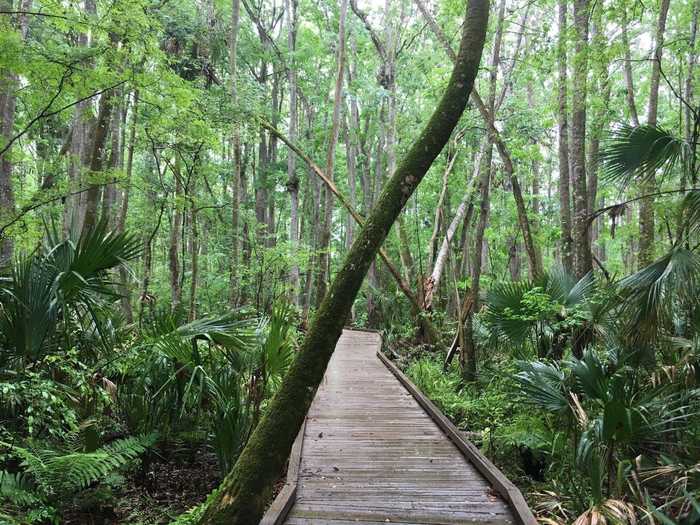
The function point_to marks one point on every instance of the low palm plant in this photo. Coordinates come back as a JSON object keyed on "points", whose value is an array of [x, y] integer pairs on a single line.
{"points": [[51, 297]]}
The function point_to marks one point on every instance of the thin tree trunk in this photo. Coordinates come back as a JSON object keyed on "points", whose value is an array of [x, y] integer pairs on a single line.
{"points": [[468, 357], [234, 284], [583, 261], [432, 284], [9, 83], [629, 78], [244, 492], [124, 210], [97, 158], [175, 239], [563, 132], [325, 244], [110, 190], [646, 206], [194, 268], [689, 88], [292, 179]]}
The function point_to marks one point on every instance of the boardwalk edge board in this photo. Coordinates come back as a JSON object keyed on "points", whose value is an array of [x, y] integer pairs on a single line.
{"points": [[283, 503], [501, 484]]}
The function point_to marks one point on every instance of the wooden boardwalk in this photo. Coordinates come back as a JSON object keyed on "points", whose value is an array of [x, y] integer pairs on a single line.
{"points": [[372, 452]]}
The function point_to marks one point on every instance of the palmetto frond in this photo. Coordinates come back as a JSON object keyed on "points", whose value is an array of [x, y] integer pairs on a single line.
{"points": [[69, 277], [641, 152], [651, 294]]}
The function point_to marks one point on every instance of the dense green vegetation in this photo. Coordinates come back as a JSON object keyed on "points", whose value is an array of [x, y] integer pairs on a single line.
{"points": [[180, 185]]}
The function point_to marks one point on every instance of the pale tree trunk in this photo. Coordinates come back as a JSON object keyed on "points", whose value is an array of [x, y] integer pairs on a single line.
{"points": [[563, 132], [452, 153], [646, 206], [9, 83], [325, 244], [583, 262], [602, 89], [243, 494], [292, 179], [234, 284], [432, 283], [689, 88], [351, 153]]}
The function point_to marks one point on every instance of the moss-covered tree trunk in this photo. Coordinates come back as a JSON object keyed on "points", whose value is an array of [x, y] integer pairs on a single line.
{"points": [[244, 493]]}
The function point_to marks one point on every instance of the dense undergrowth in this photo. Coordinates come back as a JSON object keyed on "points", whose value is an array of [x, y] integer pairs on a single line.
{"points": [[107, 421], [585, 397]]}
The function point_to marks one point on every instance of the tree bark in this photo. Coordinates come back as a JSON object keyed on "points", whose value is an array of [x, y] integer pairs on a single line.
{"points": [[9, 83], [292, 179], [563, 132], [124, 210], [583, 262], [629, 78], [325, 244], [234, 284], [646, 206], [175, 238], [97, 158], [245, 491]]}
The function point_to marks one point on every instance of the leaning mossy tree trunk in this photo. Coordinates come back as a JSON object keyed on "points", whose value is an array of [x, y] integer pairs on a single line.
{"points": [[245, 491]]}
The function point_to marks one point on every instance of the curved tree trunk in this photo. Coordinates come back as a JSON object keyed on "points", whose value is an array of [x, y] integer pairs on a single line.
{"points": [[244, 492]]}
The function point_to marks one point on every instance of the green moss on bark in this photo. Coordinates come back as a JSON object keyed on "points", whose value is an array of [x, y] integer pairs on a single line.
{"points": [[244, 493]]}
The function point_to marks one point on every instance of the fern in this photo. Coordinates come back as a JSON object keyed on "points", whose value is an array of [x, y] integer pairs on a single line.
{"points": [[56, 472], [17, 489]]}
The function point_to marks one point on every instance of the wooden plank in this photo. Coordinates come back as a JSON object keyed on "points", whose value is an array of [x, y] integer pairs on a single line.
{"points": [[282, 504], [502, 484]]}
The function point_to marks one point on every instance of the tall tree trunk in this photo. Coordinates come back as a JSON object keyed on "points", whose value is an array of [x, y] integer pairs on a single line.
{"points": [[110, 190], [689, 88], [468, 357], [563, 131], [433, 282], [244, 492], [194, 269], [646, 206], [97, 158], [234, 284], [124, 210], [292, 179], [629, 78], [583, 261], [325, 244], [9, 83], [175, 239]]}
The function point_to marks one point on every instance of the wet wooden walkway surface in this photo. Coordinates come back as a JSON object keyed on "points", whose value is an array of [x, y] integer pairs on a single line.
{"points": [[372, 454]]}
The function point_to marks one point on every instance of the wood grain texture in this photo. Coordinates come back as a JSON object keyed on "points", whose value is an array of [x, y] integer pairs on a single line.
{"points": [[371, 454]]}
